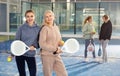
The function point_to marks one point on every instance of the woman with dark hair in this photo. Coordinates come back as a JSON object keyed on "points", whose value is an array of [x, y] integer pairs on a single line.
{"points": [[28, 33], [88, 33], [105, 35]]}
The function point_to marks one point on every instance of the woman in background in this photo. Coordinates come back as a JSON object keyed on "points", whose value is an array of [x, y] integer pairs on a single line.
{"points": [[105, 35], [49, 42], [88, 33]]}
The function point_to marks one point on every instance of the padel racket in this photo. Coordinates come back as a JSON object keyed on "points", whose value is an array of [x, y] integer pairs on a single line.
{"points": [[70, 46], [19, 48], [90, 47]]}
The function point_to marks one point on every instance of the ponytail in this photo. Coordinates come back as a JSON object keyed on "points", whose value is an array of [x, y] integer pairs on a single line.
{"points": [[86, 20]]}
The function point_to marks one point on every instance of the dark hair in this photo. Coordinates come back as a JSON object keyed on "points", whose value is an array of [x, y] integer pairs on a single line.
{"points": [[89, 17], [28, 11], [106, 17]]}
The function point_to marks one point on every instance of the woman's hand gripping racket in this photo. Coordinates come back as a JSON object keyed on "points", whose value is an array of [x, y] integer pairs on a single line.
{"points": [[70, 46], [19, 48]]}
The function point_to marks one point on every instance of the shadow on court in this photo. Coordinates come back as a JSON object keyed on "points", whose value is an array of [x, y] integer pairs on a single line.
{"points": [[75, 67], [74, 63]]}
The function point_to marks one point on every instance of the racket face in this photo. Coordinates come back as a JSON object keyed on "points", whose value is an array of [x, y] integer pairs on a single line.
{"points": [[71, 46], [99, 52], [90, 48], [18, 48]]}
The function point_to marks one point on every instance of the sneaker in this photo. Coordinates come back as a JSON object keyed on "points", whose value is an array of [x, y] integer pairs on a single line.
{"points": [[96, 59], [100, 60], [86, 60]]}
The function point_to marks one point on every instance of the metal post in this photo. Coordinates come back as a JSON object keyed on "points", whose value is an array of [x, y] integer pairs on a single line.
{"points": [[99, 16], [53, 4], [75, 18]]}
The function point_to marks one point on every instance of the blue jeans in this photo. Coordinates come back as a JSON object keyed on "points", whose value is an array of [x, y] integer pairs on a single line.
{"points": [[87, 41]]}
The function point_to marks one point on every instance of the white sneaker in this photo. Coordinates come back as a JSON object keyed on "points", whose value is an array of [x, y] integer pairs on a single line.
{"points": [[86, 60], [96, 59], [100, 60]]}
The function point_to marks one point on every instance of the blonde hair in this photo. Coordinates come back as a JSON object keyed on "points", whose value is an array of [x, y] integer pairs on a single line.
{"points": [[47, 11], [85, 21]]}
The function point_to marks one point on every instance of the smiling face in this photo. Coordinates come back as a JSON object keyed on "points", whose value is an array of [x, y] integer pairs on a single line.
{"points": [[30, 18], [49, 18]]}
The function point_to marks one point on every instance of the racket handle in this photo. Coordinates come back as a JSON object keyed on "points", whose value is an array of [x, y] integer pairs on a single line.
{"points": [[55, 51]]}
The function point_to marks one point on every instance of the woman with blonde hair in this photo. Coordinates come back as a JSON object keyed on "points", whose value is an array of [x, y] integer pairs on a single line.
{"points": [[49, 42], [88, 33]]}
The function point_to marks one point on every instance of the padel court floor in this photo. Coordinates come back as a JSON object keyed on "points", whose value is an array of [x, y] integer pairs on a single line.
{"points": [[74, 64]]}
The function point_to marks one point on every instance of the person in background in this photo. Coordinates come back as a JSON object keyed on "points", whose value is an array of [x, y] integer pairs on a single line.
{"points": [[88, 33], [28, 33], [49, 42], [105, 35]]}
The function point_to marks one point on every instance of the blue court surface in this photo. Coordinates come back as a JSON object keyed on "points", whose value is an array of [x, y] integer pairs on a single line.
{"points": [[74, 63]]}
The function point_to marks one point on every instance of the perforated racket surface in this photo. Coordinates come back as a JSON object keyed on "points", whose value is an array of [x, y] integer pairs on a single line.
{"points": [[70, 46], [19, 48]]}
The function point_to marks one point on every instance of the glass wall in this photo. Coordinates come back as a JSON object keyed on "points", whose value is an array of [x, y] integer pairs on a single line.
{"points": [[39, 10], [69, 15], [84, 9], [65, 16], [3, 22], [113, 10], [10, 18], [14, 18], [14, 15]]}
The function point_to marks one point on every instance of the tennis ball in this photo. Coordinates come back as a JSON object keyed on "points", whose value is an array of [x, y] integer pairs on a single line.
{"points": [[9, 59], [94, 31], [62, 42]]}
